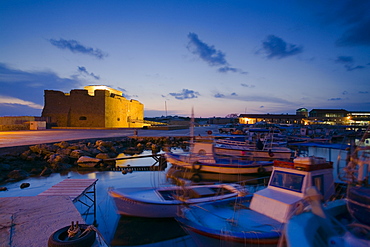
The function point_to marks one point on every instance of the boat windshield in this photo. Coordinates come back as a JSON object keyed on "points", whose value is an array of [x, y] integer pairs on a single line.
{"points": [[286, 180]]}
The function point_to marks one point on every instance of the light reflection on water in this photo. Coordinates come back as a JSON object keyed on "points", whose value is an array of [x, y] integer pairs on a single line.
{"points": [[125, 230]]}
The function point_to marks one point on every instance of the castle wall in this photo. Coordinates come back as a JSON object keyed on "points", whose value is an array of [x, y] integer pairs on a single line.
{"points": [[101, 110]]}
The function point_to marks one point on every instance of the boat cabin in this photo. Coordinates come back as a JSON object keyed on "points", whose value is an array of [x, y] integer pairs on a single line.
{"points": [[288, 184]]}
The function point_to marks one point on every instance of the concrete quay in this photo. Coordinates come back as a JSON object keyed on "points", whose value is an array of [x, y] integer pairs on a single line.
{"points": [[29, 221], [32, 137]]}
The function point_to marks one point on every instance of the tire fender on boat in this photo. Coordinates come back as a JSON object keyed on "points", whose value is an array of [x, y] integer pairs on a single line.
{"points": [[196, 166]]}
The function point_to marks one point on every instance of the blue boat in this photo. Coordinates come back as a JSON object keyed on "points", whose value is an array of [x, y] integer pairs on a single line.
{"points": [[261, 218]]}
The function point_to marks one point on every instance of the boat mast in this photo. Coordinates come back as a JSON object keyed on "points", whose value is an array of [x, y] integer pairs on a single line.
{"points": [[192, 127]]}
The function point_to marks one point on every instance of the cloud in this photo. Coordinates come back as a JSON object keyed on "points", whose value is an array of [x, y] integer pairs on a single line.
{"points": [[363, 92], [253, 98], [22, 92], [75, 47], [354, 15], [83, 70], [348, 63], [246, 85], [206, 52], [230, 69], [277, 47], [344, 92], [16, 101], [210, 55], [185, 94], [335, 99], [219, 95]]}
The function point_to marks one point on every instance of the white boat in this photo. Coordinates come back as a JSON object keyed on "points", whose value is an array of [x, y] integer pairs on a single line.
{"points": [[217, 165], [257, 151], [260, 220], [164, 202], [202, 158]]}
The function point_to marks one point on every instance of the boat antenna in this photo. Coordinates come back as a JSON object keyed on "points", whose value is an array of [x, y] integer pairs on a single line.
{"points": [[192, 127], [165, 107]]}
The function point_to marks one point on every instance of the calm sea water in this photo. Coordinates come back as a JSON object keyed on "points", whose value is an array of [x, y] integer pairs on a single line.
{"points": [[128, 231]]}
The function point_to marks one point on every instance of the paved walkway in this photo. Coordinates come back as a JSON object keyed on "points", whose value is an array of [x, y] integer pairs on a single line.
{"points": [[32, 137]]}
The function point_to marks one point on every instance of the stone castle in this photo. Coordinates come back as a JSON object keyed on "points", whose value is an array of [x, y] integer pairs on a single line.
{"points": [[92, 107]]}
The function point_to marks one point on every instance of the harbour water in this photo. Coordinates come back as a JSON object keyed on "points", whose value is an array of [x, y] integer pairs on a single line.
{"points": [[120, 230]]}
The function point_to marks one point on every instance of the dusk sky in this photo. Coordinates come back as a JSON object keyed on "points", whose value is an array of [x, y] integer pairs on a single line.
{"points": [[218, 57]]}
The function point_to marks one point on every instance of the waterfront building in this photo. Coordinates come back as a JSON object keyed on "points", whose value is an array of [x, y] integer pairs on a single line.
{"points": [[328, 116], [315, 116], [92, 107], [271, 118]]}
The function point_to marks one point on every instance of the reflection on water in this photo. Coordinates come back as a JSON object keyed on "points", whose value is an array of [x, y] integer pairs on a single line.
{"points": [[123, 231], [151, 231]]}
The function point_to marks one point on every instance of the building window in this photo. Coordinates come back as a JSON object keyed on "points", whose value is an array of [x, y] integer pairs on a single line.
{"points": [[83, 118], [118, 119]]}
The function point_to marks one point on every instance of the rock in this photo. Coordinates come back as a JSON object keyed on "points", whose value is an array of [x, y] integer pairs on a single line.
{"points": [[77, 154], [43, 149], [102, 149], [24, 185], [3, 188], [35, 171], [86, 161], [64, 151], [102, 156], [5, 167], [58, 167], [18, 174], [107, 144], [62, 144], [46, 171], [58, 158]]}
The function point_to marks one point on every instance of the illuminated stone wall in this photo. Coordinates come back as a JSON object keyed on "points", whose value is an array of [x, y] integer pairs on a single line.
{"points": [[92, 108]]}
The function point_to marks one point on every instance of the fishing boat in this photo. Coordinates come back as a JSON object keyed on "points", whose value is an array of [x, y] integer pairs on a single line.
{"points": [[201, 157], [356, 175], [164, 202], [342, 222], [329, 225], [259, 219], [258, 150], [230, 165]]}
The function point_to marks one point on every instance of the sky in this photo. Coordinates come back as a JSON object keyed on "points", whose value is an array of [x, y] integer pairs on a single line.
{"points": [[218, 57]]}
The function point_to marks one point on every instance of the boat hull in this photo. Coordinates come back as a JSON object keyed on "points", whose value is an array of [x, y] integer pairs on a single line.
{"points": [[224, 166], [210, 230], [165, 202], [256, 154], [358, 201]]}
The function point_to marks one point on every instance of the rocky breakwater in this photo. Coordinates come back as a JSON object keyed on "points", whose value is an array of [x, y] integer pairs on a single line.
{"points": [[44, 159]]}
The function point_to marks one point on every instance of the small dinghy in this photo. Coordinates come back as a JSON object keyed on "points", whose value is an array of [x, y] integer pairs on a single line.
{"points": [[164, 202]]}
